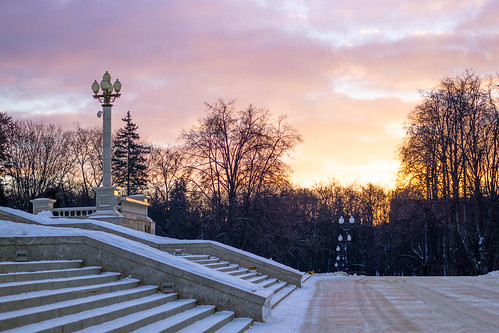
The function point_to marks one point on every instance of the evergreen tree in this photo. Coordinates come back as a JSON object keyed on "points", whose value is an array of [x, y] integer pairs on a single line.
{"points": [[129, 161], [5, 128]]}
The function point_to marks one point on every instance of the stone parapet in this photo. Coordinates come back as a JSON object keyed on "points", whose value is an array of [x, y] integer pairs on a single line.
{"points": [[216, 249], [42, 205], [242, 258], [150, 265]]}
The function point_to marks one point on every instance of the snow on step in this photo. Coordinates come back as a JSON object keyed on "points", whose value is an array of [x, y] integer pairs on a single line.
{"points": [[96, 316], [268, 282], [179, 321], [142, 318], [276, 287], [62, 296], [282, 294], [240, 271], [207, 261], [196, 256], [49, 311], [217, 264], [50, 274], [248, 275], [211, 323], [237, 325], [38, 298], [43, 265], [257, 279], [306, 277], [229, 268], [50, 284]]}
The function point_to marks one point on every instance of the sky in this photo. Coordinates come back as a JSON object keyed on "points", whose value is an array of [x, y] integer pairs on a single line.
{"points": [[345, 73]]}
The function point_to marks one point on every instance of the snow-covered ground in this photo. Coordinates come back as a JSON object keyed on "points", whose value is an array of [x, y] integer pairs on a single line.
{"points": [[328, 303]]}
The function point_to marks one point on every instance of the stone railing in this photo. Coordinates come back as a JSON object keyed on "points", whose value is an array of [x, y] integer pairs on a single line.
{"points": [[45, 204], [73, 212], [131, 212]]}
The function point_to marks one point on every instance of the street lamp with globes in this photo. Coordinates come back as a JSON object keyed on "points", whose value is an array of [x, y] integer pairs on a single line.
{"points": [[108, 93], [106, 196], [343, 242]]}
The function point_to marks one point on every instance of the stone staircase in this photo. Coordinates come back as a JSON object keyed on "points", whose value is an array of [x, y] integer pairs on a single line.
{"points": [[65, 296], [280, 289]]}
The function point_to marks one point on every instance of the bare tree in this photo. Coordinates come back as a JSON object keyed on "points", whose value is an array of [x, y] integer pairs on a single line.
{"points": [[450, 153], [38, 161], [165, 167], [235, 154], [86, 150]]}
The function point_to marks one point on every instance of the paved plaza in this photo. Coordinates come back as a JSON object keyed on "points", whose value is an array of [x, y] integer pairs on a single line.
{"points": [[389, 304]]}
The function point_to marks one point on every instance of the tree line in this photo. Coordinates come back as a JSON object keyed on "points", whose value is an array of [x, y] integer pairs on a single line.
{"points": [[227, 180], [450, 161]]}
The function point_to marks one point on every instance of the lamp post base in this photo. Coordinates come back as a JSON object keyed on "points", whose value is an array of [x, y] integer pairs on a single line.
{"points": [[106, 205]]}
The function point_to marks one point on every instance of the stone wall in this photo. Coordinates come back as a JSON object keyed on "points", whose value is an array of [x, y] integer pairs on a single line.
{"points": [[150, 269]]}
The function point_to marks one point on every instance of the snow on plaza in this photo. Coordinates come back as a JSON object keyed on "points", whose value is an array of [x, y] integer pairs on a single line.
{"points": [[339, 303], [329, 303]]}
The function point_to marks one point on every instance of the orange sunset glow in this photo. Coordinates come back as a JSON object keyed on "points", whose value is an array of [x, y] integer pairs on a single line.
{"points": [[345, 73]]}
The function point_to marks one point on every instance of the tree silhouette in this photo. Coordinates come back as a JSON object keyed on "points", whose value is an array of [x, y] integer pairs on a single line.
{"points": [[450, 155], [234, 155], [129, 158]]}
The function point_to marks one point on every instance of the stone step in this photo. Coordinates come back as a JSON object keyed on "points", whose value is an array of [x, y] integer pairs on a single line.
{"points": [[140, 319], [229, 268], [282, 294], [39, 298], [257, 279], [238, 325], [12, 288], [280, 288], [32, 266], [268, 282], [179, 321], [248, 275], [218, 264], [96, 316], [207, 261], [276, 287], [238, 272], [64, 297], [51, 274], [211, 323], [196, 256], [306, 277], [50, 311]]}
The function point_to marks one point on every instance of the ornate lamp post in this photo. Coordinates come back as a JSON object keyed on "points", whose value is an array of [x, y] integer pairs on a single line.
{"points": [[342, 258], [106, 196], [106, 97]]}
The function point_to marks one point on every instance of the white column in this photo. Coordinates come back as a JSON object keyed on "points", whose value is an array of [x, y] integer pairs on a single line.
{"points": [[106, 145], [106, 196]]}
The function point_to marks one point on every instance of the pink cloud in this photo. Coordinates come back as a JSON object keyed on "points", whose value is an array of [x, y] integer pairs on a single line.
{"points": [[173, 56]]}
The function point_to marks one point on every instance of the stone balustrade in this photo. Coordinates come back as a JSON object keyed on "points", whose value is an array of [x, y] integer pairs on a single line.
{"points": [[132, 212], [73, 212]]}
